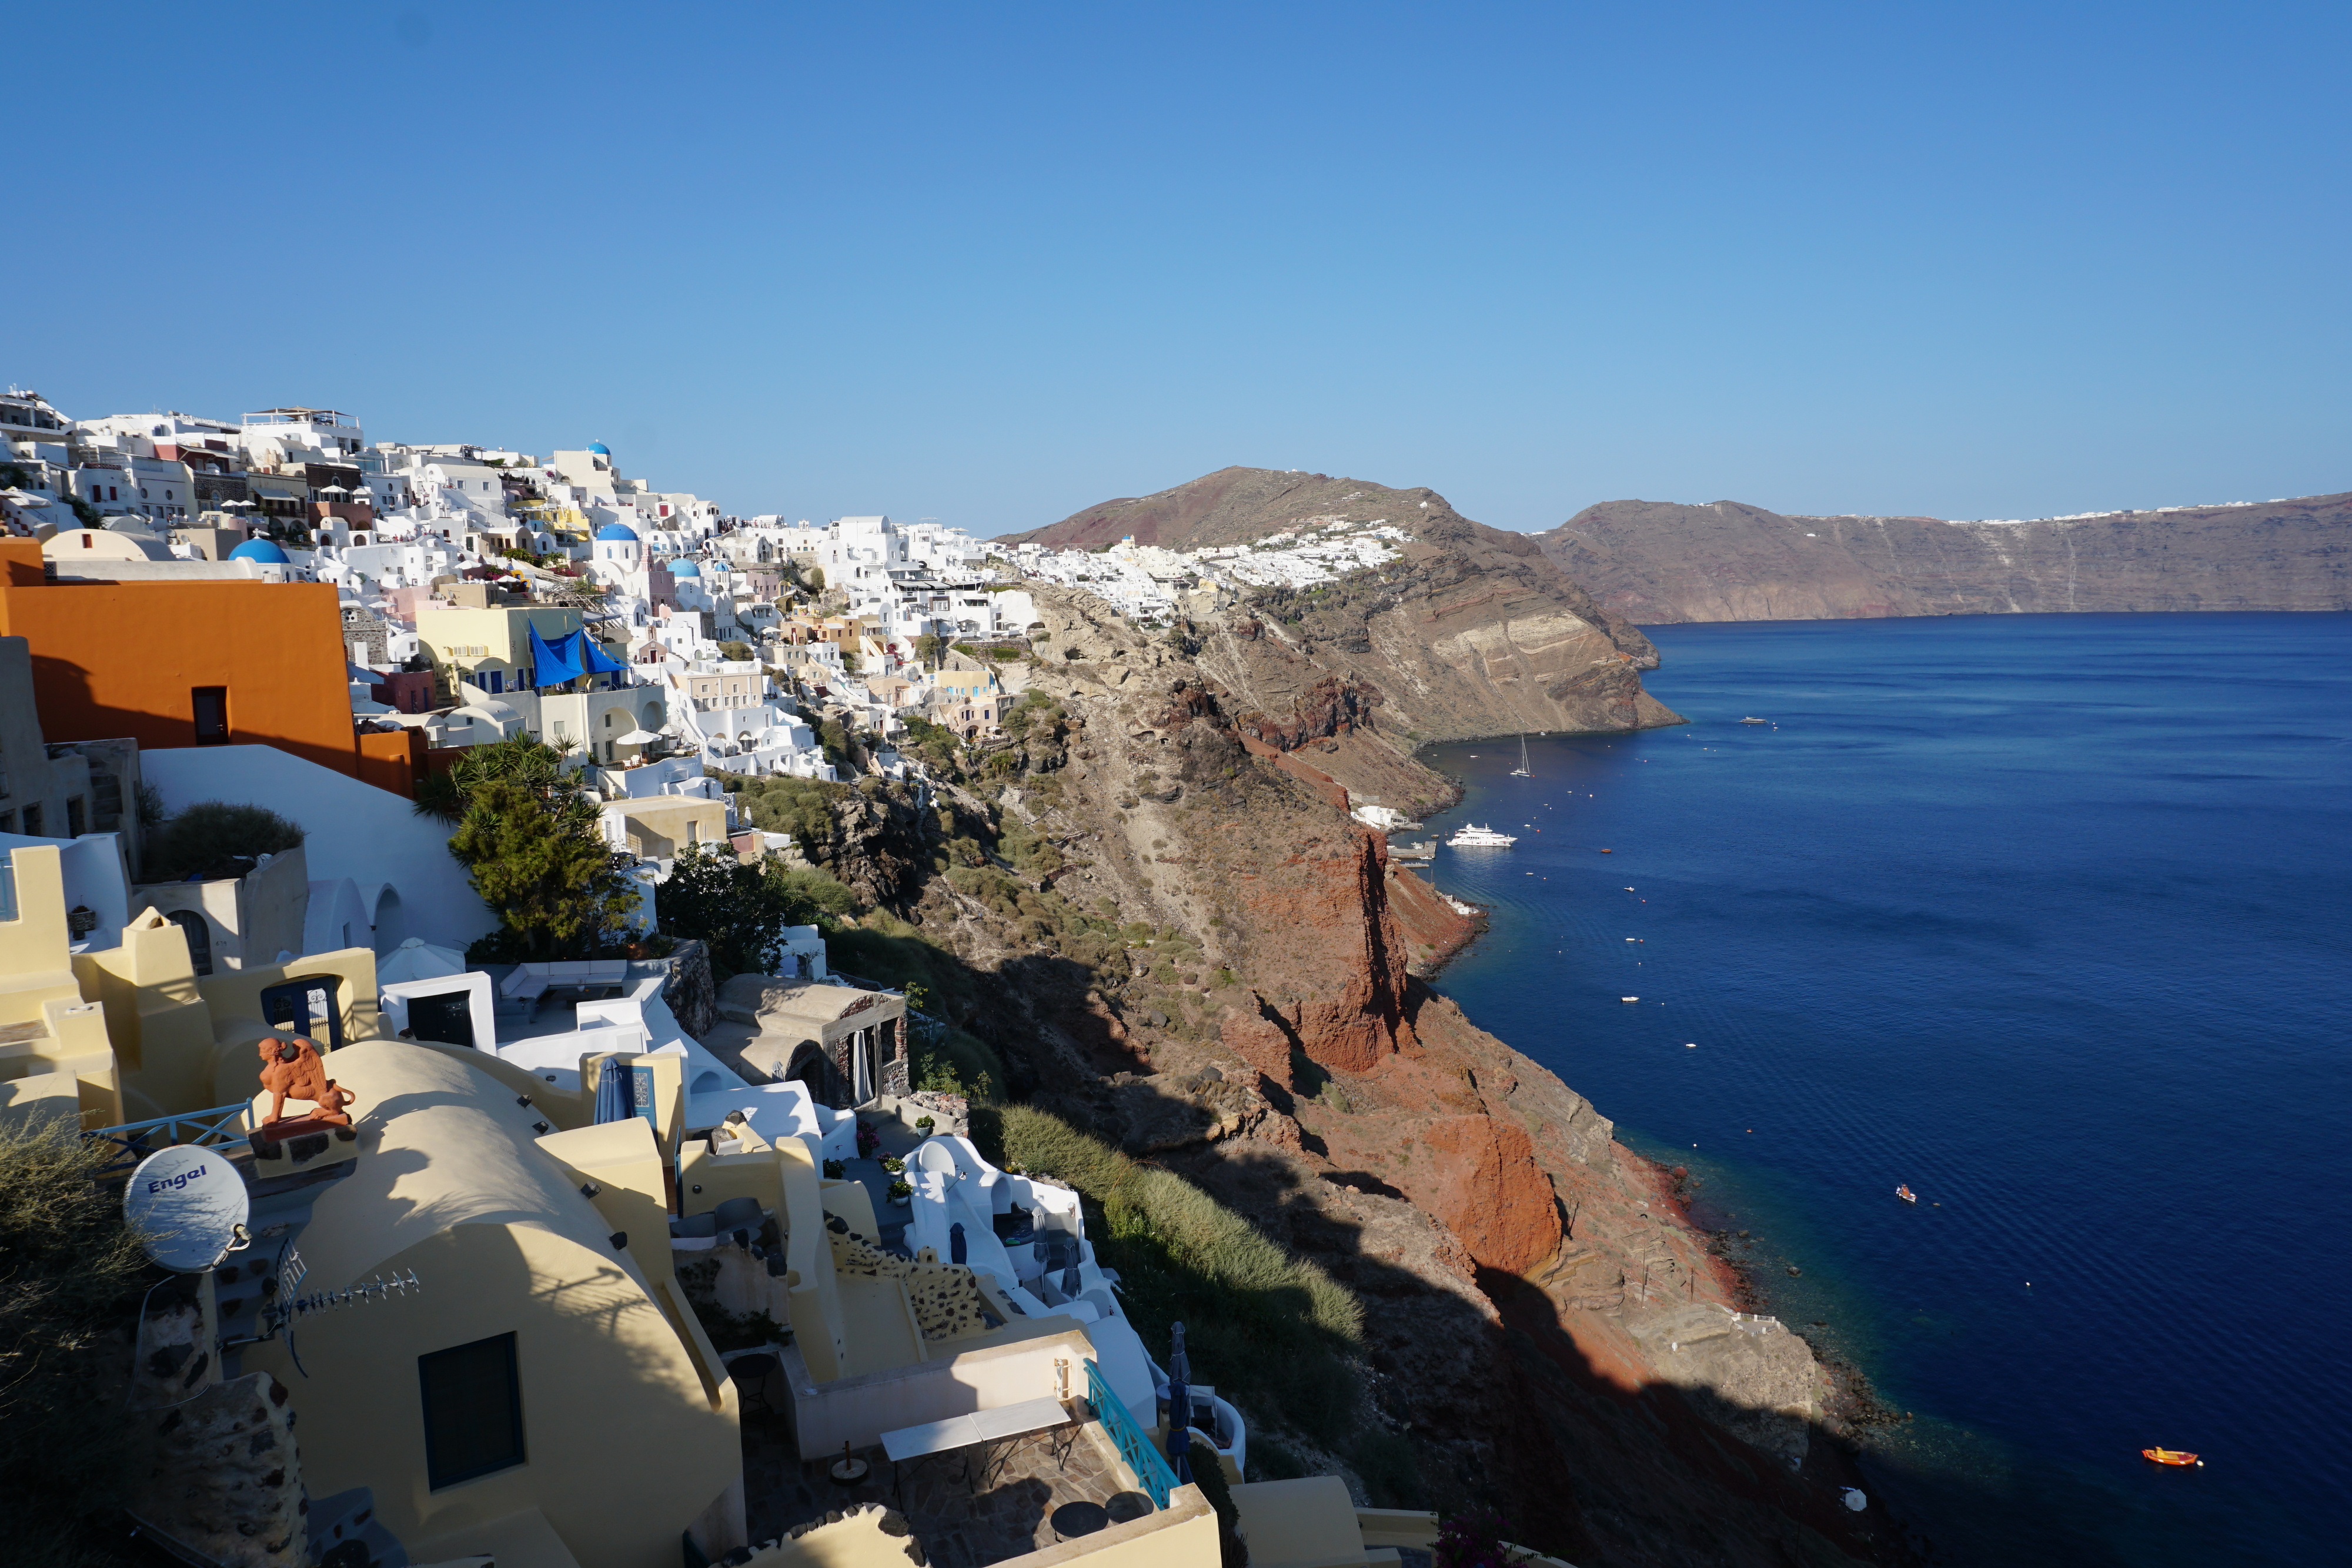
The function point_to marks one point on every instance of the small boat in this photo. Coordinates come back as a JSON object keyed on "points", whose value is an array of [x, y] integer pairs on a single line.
{"points": [[2169, 1456], [1755, 721], [1471, 836], [1905, 1194], [1522, 770], [1629, 998]]}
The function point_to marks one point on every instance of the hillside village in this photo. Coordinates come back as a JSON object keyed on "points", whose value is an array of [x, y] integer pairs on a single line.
{"points": [[357, 800]]}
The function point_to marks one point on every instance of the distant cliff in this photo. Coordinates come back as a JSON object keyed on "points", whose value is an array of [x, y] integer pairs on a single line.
{"points": [[1474, 632], [1652, 561]]}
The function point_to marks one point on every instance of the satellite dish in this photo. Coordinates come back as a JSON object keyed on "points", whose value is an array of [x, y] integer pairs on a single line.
{"points": [[187, 1206]]}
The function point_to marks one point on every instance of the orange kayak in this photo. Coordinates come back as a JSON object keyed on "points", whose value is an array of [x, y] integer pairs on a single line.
{"points": [[2169, 1456]]}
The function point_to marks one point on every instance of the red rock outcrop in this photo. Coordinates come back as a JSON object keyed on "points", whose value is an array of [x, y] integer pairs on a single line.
{"points": [[1331, 950], [1488, 1190], [1260, 1041]]}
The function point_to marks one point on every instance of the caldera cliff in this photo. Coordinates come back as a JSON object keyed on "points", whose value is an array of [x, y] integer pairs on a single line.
{"points": [[1657, 562], [1547, 1332]]}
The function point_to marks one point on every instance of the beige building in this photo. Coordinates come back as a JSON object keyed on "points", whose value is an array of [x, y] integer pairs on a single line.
{"points": [[546, 1395], [489, 647], [663, 827], [967, 698], [731, 685]]}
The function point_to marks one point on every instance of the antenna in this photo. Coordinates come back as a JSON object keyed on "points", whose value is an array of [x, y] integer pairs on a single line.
{"points": [[284, 1308], [187, 1206]]}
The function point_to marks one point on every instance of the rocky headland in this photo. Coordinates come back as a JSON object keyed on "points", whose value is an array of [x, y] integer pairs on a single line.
{"points": [[1657, 562], [1546, 1329]]}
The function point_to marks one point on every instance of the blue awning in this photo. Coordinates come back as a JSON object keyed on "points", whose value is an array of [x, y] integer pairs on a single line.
{"points": [[553, 665], [597, 661]]}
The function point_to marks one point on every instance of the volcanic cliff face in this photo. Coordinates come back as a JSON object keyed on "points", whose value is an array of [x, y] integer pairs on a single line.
{"points": [[1544, 1321], [1655, 562], [1474, 632]]}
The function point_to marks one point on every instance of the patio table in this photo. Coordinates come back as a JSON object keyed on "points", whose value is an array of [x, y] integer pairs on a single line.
{"points": [[990, 1431]]}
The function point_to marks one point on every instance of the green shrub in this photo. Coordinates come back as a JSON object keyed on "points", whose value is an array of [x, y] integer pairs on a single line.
{"points": [[67, 1293], [801, 807], [1270, 1461], [811, 897], [1028, 849], [207, 839]]}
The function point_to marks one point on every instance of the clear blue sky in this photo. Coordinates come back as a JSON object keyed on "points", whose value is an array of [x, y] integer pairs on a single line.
{"points": [[992, 263]]}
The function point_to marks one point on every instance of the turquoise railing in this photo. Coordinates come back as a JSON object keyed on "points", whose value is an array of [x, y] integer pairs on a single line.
{"points": [[1135, 1446]]}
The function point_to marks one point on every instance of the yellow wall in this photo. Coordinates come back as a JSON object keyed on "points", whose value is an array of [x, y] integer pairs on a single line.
{"points": [[33, 946], [623, 1446], [630, 1426], [502, 631], [64, 1066], [664, 825], [148, 989], [622, 1161]]}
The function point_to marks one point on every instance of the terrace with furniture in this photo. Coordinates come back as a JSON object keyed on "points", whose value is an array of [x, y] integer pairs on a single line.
{"points": [[992, 1486]]}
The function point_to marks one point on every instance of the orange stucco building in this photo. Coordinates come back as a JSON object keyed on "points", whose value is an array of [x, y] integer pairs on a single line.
{"points": [[194, 664]]}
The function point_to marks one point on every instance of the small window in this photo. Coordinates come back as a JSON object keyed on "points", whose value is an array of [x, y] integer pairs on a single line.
{"points": [[473, 1411], [33, 823], [211, 708], [77, 816]]}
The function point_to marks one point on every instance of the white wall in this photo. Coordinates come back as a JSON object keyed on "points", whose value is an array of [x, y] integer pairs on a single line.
{"points": [[354, 830]]}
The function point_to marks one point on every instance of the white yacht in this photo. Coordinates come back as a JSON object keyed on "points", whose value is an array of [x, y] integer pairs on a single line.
{"points": [[1470, 836]]}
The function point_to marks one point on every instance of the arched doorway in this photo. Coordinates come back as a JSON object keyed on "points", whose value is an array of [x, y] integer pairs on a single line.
{"points": [[389, 919], [200, 938], [810, 1067]]}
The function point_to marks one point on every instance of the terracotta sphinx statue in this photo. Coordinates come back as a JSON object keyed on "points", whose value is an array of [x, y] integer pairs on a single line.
{"points": [[292, 1070]]}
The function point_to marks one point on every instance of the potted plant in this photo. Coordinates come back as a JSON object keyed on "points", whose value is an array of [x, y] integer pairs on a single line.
{"points": [[893, 1164], [924, 1125], [834, 1170], [902, 1195], [869, 1140]]}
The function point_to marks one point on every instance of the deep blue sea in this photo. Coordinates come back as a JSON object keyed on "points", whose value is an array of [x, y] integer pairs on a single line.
{"points": [[2049, 916]]}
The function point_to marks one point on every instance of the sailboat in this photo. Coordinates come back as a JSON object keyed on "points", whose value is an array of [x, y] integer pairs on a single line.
{"points": [[1522, 770]]}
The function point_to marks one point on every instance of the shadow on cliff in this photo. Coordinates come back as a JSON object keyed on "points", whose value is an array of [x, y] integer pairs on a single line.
{"points": [[1484, 1393], [1467, 1387]]}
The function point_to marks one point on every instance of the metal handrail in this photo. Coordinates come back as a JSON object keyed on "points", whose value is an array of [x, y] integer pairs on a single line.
{"points": [[1142, 1456], [220, 1125]]}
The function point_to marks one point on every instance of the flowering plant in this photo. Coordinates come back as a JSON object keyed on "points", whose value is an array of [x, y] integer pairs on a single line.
{"points": [[901, 1192], [869, 1140], [1473, 1540]]}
